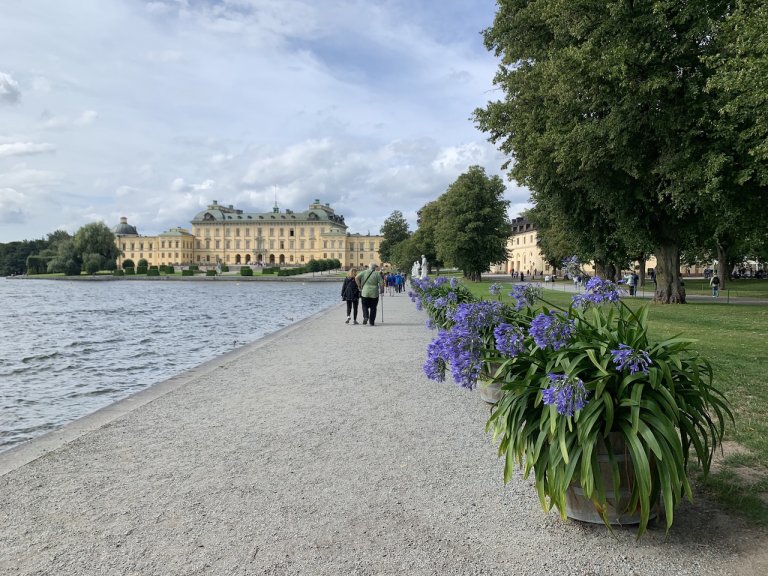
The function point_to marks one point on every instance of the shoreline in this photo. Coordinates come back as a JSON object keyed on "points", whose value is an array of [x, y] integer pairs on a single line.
{"points": [[175, 277], [30, 450]]}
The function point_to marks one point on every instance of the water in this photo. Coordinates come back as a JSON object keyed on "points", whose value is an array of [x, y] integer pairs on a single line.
{"points": [[68, 348]]}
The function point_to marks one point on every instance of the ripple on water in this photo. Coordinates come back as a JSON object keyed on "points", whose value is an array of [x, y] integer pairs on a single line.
{"points": [[70, 348]]}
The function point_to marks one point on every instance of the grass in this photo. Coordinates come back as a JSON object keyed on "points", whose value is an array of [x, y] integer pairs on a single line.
{"points": [[733, 337]]}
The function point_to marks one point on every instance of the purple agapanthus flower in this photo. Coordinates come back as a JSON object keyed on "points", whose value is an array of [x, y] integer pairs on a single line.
{"points": [[598, 291], [625, 356], [435, 365], [551, 329], [526, 295], [509, 339], [568, 393], [461, 347], [495, 289]]}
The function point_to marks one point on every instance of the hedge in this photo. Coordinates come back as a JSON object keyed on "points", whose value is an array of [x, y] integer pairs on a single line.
{"points": [[153, 272], [210, 272], [187, 272], [245, 271], [118, 273]]}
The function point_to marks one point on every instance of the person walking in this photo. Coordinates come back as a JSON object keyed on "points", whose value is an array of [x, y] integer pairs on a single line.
{"points": [[369, 282], [715, 283], [351, 295], [631, 283]]}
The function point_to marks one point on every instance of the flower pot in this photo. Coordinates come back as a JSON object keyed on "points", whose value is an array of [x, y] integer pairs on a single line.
{"points": [[579, 507], [490, 391]]}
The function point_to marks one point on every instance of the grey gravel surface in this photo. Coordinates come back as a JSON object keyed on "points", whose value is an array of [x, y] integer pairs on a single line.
{"points": [[319, 450]]}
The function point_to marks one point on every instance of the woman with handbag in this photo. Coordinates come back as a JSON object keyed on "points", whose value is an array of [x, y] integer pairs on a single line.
{"points": [[351, 294]]}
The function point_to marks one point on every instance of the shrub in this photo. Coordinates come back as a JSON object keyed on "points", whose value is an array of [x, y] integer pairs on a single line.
{"points": [[118, 273], [128, 263], [270, 270], [141, 270], [210, 272], [245, 271], [187, 272], [153, 272], [129, 271], [143, 263], [193, 267]]}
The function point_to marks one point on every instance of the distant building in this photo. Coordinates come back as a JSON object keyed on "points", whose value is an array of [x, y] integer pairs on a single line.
{"points": [[526, 257], [226, 235]]}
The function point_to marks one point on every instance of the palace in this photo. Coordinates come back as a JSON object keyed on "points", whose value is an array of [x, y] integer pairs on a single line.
{"points": [[226, 235], [525, 255]]}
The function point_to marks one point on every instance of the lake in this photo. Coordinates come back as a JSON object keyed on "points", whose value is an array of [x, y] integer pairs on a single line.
{"points": [[69, 348]]}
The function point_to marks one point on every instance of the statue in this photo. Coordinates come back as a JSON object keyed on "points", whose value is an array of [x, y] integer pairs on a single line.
{"points": [[424, 267], [415, 270]]}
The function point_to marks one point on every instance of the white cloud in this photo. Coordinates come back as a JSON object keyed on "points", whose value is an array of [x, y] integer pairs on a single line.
{"points": [[9, 89], [11, 206], [26, 149], [53, 122], [363, 105], [86, 118]]}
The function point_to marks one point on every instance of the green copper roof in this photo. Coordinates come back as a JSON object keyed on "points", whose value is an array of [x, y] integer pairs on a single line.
{"points": [[316, 213]]}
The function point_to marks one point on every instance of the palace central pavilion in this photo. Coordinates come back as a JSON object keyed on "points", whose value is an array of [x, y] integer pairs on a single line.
{"points": [[226, 235]]}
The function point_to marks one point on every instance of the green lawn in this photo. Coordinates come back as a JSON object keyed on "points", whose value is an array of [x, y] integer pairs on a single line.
{"points": [[734, 338]]}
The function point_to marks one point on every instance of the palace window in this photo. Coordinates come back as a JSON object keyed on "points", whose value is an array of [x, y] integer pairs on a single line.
{"points": [[290, 233], [301, 244], [228, 244], [218, 244], [282, 245], [237, 232]]}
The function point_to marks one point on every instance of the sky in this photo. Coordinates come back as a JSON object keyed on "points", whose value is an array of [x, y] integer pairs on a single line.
{"points": [[153, 109]]}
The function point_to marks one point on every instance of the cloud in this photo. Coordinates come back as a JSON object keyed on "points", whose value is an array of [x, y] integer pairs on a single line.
{"points": [[11, 207], [53, 122], [9, 89], [164, 56], [25, 149]]}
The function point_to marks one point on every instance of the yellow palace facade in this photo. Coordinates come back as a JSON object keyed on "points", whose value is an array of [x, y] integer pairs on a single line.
{"points": [[230, 236], [526, 257]]}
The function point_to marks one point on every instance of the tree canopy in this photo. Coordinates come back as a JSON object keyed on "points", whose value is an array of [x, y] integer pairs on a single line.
{"points": [[472, 229], [608, 119], [394, 230]]}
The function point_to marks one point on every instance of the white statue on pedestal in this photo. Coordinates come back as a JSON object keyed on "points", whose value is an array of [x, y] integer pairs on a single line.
{"points": [[415, 270], [424, 267]]}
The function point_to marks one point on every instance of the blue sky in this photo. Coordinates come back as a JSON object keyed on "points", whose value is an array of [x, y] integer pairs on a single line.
{"points": [[153, 109]]}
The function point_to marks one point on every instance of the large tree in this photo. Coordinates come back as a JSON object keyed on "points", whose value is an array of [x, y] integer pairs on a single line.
{"points": [[605, 107], [95, 244], [473, 228], [424, 238], [394, 230]]}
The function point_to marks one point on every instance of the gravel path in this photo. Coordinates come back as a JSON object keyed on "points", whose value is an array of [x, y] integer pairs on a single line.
{"points": [[320, 450]]}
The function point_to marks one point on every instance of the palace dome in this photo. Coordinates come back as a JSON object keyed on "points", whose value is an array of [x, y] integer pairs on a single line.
{"points": [[124, 229]]}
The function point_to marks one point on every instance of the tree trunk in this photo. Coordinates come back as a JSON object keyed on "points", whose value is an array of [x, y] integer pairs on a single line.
{"points": [[641, 261], [723, 265], [669, 286]]}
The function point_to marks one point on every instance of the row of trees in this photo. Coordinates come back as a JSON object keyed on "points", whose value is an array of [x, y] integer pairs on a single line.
{"points": [[466, 227], [639, 127], [91, 249]]}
